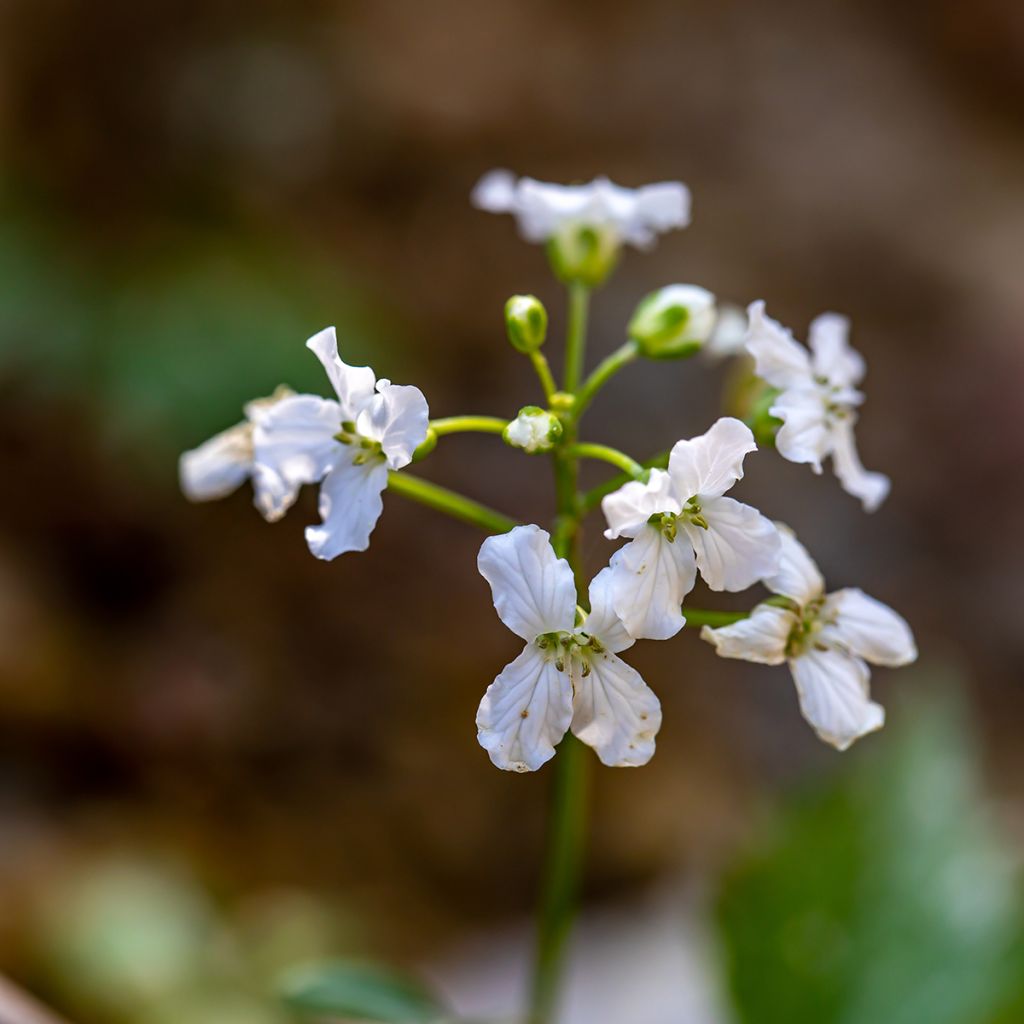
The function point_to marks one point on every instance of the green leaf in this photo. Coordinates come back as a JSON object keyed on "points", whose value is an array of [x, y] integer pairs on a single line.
{"points": [[356, 991]]}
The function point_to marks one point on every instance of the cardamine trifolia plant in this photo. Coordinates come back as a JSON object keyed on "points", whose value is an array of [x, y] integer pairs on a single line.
{"points": [[569, 688]]}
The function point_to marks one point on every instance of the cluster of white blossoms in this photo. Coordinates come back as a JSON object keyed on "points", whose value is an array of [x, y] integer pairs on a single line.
{"points": [[677, 521]]}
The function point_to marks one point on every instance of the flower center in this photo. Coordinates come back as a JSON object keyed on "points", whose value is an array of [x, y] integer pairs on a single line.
{"points": [[368, 449], [806, 632], [564, 646]]}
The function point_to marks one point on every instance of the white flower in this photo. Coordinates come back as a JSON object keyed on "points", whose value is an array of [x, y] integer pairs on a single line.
{"points": [[222, 464], [568, 675], [817, 399], [673, 321], [679, 521], [349, 444], [542, 210], [533, 430], [827, 640]]}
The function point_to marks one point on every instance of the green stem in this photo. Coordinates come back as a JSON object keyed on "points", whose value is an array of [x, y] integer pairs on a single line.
{"points": [[576, 335], [603, 372], [465, 424], [593, 497], [698, 617], [607, 454], [443, 500], [547, 381]]}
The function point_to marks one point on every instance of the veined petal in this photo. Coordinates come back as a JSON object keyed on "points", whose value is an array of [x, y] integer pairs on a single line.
{"points": [[804, 436], [835, 697], [780, 359], [797, 576], [353, 384], [218, 466], [350, 505], [602, 621], [710, 464], [628, 509], [533, 590], [871, 488], [868, 628], [738, 547], [649, 578], [525, 712], [614, 710], [398, 417], [293, 444], [760, 638], [833, 358]]}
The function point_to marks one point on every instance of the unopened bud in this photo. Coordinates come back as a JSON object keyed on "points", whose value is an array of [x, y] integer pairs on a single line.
{"points": [[526, 321], [674, 321], [533, 430]]}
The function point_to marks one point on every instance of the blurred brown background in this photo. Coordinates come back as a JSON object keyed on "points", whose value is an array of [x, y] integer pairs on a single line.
{"points": [[189, 190]]}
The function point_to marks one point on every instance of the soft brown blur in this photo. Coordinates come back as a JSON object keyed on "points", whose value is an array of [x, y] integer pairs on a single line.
{"points": [[190, 186]]}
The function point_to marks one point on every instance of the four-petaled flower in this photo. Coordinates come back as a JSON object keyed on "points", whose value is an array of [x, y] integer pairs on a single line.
{"points": [[827, 639], [349, 444], [569, 674], [679, 521], [817, 398]]}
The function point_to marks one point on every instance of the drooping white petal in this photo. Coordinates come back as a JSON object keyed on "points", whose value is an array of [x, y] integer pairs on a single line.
{"points": [[871, 488], [761, 638], [293, 444], [350, 505], [805, 435], [533, 590], [661, 207], [739, 547], [833, 358], [525, 712], [710, 464], [353, 384], [628, 509], [398, 417], [797, 576], [835, 698], [780, 360], [602, 621], [218, 466], [868, 628], [649, 578], [614, 710]]}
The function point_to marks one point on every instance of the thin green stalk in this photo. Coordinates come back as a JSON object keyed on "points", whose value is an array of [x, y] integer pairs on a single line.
{"points": [[444, 500], [593, 497], [698, 617], [465, 424], [576, 335], [547, 381], [608, 454], [603, 372]]}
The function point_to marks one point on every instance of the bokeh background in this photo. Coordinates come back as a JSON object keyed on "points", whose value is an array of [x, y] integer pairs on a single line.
{"points": [[219, 757]]}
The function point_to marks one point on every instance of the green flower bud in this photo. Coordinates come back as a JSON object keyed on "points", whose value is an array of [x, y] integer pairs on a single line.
{"points": [[534, 430], [526, 321], [673, 321], [583, 254]]}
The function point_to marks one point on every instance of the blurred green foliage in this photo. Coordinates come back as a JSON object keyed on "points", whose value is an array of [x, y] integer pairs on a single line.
{"points": [[888, 896]]}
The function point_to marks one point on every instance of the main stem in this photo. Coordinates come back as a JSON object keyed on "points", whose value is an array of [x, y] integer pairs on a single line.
{"points": [[567, 815]]}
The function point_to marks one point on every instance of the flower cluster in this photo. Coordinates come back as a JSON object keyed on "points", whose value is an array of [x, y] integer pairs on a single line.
{"points": [[674, 512]]}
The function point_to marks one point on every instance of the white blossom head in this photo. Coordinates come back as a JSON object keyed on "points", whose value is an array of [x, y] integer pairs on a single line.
{"points": [[534, 430], [673, 321]]}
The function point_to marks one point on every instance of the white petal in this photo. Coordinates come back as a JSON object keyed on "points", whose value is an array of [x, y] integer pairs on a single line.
{"points": [[869, 629], [398, 417], [738, 548], [350, 505], [542, 208], [833, 358], [533, 590], [779, 358], [710, 464], [628, 509], [294, 444], [495, 192], [614, 711], [871, 488], [729, 336], [650, 577], [662, 206], [805, 435], [353, 384], [525, 712], [218, 466], [761, 638], [834, 696], [602, 621], [797, 576]]}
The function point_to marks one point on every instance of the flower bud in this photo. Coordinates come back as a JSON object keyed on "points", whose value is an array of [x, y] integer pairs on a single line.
{"points": [[526, 321], [534, 430], [583, 254], [673, 321]]}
